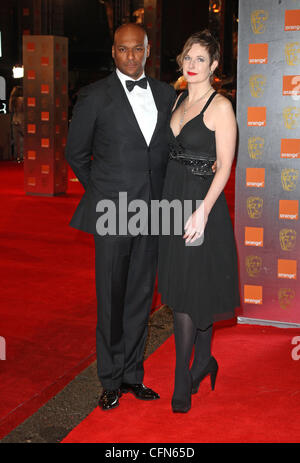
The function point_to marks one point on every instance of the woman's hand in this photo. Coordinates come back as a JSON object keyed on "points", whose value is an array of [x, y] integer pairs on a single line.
{"points": [[195, 225]]}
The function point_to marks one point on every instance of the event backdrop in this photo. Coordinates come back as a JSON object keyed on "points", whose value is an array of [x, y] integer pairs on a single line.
{"points": [[152, 23], [45, 80], [267, 175]]}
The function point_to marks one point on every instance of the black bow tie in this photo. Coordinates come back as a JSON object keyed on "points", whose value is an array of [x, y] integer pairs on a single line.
{"points": [[130, 84]]}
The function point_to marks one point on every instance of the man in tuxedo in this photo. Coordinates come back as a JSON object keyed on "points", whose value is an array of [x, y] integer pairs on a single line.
{"points": [[117, 143]]}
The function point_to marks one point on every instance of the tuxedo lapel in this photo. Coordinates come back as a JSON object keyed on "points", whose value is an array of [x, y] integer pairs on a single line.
{"points": [[119, 98], [160, 104]]}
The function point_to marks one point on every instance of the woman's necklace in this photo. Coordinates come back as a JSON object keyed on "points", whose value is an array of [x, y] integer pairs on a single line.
{"points": [[185, 109]]}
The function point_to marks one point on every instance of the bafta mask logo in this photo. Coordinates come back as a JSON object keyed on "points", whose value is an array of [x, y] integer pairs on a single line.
{"points": [[291, 117], [255, 207], [45, 130], [285, 297], [289, 179], [256, 147], [257, 84], [292, 53], [44, 102], [31, 115], [45, 47], [287, 238], [258, 21], [253, 265]]}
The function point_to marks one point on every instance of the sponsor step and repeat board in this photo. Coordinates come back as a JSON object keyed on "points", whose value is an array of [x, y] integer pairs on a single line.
{"points": [[267, 176]]}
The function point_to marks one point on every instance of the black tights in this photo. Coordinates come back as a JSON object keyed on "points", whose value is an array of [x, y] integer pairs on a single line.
{"points": [[186, 337]]}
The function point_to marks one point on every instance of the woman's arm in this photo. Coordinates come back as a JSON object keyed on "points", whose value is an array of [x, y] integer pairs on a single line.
{"points": [[225, 133]]}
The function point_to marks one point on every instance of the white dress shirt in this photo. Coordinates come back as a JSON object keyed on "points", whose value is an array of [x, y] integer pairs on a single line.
{"points": [[143, 106]]}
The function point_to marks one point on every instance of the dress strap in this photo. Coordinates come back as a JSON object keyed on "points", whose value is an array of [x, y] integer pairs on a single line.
{"points": [[180, 99], [208, 102]]}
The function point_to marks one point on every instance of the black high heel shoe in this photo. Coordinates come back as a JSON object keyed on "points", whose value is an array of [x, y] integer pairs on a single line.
{"points": [[210, 369], [182, 405]]}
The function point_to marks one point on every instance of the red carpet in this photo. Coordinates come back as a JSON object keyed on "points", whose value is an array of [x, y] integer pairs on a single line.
{"points": [[47, 297], [47, 310], [256, 397]]}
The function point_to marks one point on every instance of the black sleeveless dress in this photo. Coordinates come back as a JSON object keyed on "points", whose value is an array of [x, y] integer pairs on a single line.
{"points": [[199, 280]]}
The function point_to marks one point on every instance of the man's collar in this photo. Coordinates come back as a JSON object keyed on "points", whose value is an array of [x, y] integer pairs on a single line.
{"points": [[123, 77]]}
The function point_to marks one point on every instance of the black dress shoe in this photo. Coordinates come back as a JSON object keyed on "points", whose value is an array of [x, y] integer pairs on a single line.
{"points": [[109, 399], [140, 391]]}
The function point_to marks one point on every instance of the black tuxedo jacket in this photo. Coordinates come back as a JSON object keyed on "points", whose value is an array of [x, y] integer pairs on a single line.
{"points": [[107, 150]]}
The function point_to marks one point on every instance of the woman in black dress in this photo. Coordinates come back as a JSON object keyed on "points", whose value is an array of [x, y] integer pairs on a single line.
{"points": [[197, 272]]}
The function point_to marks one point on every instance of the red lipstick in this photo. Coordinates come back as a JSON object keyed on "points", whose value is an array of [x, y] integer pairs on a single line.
{"points": [[192, 73]]}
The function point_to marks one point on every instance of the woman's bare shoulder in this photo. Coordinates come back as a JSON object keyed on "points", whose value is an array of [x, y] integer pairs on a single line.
{"points": [[222, 103]]}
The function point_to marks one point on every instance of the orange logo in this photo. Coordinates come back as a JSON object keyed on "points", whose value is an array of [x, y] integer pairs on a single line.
{"points": [[44, 60], [292, 20], [45, 88], [254, 236], [45, 116], [257, 116], [291, 85], [31, 128], [31, 102], [255, 177], [30, 74], [30, 46], [45, 169], [253, 294], [290, 148], [31, 154], [45, 142], [258, 53], [288, 209], [31, 181], [287, 269]]}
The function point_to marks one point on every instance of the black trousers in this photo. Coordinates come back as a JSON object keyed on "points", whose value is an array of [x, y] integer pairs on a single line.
{"points": [[125, 271]]}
